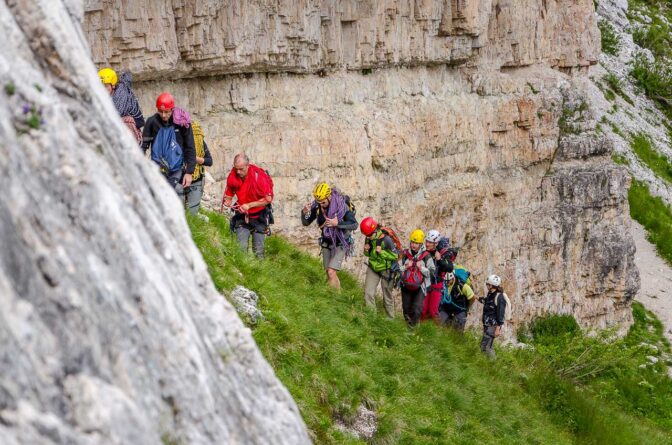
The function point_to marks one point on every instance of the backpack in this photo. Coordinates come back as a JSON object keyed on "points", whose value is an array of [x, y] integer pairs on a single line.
{"points": [[462, 274], [267, 213], [447, 297], [443, 245], [508, 312], [200, 149], [412, 278], [166, 151], [388, 231]]}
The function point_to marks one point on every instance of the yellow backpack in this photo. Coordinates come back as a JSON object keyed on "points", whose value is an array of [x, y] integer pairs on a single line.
{"points": [[200, 150]]}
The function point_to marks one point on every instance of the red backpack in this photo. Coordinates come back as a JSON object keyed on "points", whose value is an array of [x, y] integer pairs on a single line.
{"points": [[412, 278]]}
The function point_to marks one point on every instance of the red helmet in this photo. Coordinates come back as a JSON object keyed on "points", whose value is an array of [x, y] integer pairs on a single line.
{"points": [[165, 102], [368, 226]]}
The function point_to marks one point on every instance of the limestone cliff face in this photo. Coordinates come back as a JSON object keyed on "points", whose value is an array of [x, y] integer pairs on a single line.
{"points": [[450, 114], [111, 331]]}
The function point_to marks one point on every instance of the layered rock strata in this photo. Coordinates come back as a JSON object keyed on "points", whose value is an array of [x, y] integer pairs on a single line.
{"points": [[446, 114]]}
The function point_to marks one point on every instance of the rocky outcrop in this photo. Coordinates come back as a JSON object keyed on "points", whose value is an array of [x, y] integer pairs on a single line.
{"points": [[111, 330], [456, 115], [194, 38]]}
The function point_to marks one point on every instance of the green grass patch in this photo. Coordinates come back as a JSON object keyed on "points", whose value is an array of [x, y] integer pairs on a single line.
{"points": [[655, 79], [643, 147], [655, 215], [610, 41], [620, 159], [615, 85], [427, 385]]}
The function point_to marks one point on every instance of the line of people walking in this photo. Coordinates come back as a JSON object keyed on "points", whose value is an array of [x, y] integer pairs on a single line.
{"points": [[433, 286]]}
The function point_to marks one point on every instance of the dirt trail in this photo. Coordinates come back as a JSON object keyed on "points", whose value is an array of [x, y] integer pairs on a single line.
{"points": [[656, 276]]}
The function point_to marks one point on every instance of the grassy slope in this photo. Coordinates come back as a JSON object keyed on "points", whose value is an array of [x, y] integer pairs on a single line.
{"points": [[656, 217], [427, 385]]}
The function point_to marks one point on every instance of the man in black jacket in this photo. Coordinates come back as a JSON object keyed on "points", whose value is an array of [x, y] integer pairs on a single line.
{"points": [[334, 216], [183, 136], [494, 314]]}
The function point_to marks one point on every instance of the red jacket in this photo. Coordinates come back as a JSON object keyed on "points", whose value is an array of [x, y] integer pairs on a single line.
{"points": [[256, 186]]}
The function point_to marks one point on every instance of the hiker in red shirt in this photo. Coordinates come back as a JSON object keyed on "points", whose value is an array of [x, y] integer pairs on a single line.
{"points": [[253, 188]]}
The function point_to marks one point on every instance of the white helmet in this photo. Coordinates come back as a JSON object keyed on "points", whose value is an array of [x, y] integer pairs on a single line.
{"points": [[450, 276], [494, 280], [433, 236]]}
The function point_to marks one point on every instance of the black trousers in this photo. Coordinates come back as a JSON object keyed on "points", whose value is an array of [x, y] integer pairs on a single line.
{"points": [[411, 303]]}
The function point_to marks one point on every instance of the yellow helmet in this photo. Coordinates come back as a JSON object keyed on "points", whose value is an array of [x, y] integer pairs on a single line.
{"points": [[108, 76], [321, 191], [417, 236]]}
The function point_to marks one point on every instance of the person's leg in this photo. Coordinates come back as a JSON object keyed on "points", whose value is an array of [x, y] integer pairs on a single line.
{"points": [[370, 286], [258, 241], [460, 321], [417, 301], [424, 314], [407, 305], [333, 259], [193, 196], [488, 340], [243, 235], [444, 318], [388, 299], [433, 301]]}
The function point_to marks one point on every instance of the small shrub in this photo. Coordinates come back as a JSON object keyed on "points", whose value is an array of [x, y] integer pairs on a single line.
{"points": [[655, 37], [655, 79], [547, 328], [616, 86], [620, 159], [10, 88], [610, 40]]}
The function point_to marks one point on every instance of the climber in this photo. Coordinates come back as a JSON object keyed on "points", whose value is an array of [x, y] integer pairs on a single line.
{"points": [[417, 267], [383, 266], [495, 305], [191, 195], [335, 217], [203, 159], [172, 143], [253, 188], [430, 307], [124, 100], [455, 302]]}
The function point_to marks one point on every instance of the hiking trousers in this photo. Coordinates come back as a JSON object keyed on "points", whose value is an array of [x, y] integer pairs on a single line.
{"points": [[371, 285], [456, 320], [243, 232], [430, 306], [411, 303], [193, 196], [488, 340]]}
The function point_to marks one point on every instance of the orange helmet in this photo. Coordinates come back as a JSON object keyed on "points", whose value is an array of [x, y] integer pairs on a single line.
{"points": [[368, 226]]}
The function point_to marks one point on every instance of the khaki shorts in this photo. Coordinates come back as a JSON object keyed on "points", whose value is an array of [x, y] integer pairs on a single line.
{"points": [[332, 258]]}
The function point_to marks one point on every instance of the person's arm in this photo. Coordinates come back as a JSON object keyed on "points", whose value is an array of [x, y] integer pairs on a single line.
{"points": [[138, 117], [348, 222], [469, 294], [308, 218], [148, 134], [427, 268], [189, 148], [501, 309], [206, 160], [263, 202]]}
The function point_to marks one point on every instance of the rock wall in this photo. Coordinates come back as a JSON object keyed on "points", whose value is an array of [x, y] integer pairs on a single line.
{"points": [[458, 115], [111, 331]]}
